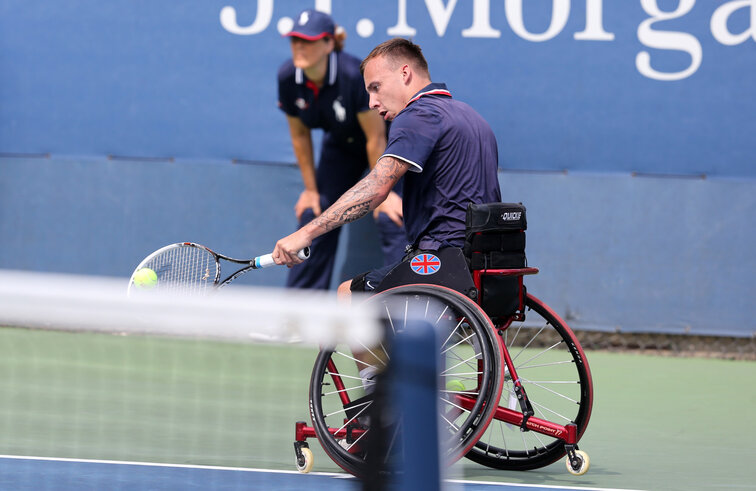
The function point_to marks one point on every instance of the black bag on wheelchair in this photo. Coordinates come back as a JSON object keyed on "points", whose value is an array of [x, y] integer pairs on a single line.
{"points": [[495, 239]]}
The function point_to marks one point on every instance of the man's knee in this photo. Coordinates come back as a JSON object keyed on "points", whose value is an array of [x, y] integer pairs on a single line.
{"points": [[356, 284], [344, 291]]}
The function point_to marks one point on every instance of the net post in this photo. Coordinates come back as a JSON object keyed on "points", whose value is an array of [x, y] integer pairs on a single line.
{"points": [[412, 390]]}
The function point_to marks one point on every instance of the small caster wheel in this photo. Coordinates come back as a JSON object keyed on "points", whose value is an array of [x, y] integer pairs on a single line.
{"points": [[583, 465], [304, 463]]}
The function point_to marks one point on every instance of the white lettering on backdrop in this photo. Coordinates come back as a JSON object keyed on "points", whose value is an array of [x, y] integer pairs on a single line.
{"points": [[441, 12]]}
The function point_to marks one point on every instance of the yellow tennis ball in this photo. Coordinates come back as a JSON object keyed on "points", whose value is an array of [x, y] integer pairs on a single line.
{"points": [[455, 385], [145, 279]]}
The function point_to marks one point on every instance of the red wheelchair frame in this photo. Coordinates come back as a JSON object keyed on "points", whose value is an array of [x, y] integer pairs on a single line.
{"points": [[521, 415]]}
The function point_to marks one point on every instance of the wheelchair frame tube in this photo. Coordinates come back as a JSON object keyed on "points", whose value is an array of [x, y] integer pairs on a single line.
{"points": [[567, 434]]}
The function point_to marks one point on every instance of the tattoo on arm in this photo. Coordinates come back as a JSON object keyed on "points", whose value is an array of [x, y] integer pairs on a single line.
{"points": [[390, 169], [356, 212], [359, 201], [337, 215]]}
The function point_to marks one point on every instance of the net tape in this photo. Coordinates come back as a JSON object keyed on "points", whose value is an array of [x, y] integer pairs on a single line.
{"points": [[239, 313]]}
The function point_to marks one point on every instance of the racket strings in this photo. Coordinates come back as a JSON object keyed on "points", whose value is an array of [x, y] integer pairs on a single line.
{"points": [[186, 270]]}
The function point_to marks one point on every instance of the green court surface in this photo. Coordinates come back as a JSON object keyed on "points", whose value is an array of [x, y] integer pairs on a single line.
{"points": [[658, 423]]}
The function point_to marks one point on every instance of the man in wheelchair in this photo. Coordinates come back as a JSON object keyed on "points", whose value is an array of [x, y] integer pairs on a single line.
{"points": [[450, 158], [447, 151]]}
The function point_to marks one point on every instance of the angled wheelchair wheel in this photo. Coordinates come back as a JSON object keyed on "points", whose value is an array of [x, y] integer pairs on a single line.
{"points": [[341, 403], [556, 377]]}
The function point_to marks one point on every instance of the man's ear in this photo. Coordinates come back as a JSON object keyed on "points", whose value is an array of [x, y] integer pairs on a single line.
{"points": [[406, 74]]}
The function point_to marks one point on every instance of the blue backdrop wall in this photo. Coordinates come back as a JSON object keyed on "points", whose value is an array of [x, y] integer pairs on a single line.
{"points": [[626, 127]]}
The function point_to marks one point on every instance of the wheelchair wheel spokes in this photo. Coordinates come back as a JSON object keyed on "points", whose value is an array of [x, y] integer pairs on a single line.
{"points": [[556, 379], [472, 361], [340, 404], [346, 390]]}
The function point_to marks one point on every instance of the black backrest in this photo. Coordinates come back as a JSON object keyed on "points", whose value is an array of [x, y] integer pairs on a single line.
{"points": [[495, 239]]}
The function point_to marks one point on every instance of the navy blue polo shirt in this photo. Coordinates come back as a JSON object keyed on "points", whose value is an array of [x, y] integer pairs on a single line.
{"points": [[334, 106], [454, 161]]}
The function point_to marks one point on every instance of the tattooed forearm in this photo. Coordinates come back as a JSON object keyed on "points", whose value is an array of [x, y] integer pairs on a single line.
{"points": [[355, 212], [365, 196], [336, 216]]}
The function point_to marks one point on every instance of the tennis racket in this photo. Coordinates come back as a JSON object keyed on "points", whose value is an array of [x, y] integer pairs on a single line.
{"points": [[192, 268]]}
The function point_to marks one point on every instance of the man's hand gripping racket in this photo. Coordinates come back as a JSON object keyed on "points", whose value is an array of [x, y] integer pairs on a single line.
{"points": [[192, 268]]}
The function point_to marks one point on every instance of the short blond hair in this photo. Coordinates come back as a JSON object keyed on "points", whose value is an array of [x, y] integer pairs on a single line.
{"points": [[398, 50]]}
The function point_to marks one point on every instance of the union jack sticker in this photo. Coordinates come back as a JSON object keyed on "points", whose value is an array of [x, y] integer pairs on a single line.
{"points": [[425, 264]]}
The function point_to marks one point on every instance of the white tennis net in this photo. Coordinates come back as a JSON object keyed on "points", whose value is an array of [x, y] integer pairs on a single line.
{"points": [[87, 372]]}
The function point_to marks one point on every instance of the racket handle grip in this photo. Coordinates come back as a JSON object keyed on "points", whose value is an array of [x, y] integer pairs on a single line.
{"points": [[267, 259]]}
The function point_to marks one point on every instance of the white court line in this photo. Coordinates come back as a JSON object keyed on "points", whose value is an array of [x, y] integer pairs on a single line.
{"points": [[337, 475], [538, 486], [177, 466]]}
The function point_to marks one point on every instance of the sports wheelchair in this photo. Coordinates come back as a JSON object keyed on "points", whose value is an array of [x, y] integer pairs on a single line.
{"points": [[499, 343]]}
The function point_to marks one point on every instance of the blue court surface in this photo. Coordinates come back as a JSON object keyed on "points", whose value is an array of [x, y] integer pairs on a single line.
{"points": [[44, 474]]}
